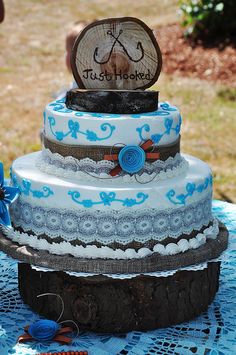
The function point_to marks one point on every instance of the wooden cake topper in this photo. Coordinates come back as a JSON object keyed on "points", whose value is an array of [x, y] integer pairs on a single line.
{"points": [[116, 53]]}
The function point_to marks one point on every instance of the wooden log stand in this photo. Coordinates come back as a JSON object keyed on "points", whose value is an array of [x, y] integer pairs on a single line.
{"points": [[103, 304]]}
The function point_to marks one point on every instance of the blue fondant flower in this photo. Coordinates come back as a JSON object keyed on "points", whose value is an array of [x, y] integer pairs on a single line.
{"points": [[8, 194], [131, 158], [43, 330]]}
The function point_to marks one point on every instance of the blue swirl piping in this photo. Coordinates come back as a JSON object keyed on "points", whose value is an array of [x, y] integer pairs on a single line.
{"points": [[156, 138], [74, 131], [26, 189], [191, 188], [107, 199]]}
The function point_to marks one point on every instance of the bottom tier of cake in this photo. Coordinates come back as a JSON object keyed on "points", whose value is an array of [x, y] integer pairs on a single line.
{"points": [[104, 304], [121, 221]]}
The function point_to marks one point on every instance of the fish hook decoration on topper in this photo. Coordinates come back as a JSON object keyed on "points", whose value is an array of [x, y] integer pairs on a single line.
{"points": [[116, 40], [122, 54]]}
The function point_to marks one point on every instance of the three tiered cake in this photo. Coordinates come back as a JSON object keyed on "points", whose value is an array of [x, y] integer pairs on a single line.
{"points": [[110, 193]]}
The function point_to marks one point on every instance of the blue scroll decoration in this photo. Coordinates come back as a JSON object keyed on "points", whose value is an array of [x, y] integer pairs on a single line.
{"points": [[97, 114], [191, 188], [25, 188], [167, 109], [156, 138], [74, 131], [107, 199], [59, 106]]}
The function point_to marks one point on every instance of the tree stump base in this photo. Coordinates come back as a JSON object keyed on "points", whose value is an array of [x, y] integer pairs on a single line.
{"points": [[103, 304]]}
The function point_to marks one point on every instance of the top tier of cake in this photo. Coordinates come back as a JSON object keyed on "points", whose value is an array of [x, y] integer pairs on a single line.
{"points": [[67, 127]]}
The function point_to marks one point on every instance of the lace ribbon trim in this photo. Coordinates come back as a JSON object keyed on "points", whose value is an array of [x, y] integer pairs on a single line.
{"points": [[93, 252], [107, 227], [70, 167]]}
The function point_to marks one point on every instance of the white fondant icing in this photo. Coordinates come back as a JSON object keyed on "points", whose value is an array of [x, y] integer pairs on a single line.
{"points": [[59, 191], [84, 128], [43, 163], [93, 252]]}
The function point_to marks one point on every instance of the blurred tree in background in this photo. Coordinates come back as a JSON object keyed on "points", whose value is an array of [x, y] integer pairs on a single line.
{"points": [[209, 18]]}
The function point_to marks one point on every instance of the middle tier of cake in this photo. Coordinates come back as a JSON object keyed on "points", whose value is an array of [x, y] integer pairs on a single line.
{"points": [[112, 221]]}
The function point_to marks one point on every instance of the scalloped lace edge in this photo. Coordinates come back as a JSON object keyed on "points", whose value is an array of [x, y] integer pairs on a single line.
{"points": [[93, 252], [46, 155]]}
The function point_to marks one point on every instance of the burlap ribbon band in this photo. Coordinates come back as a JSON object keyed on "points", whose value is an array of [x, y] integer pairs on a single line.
{"points": [[97, 153]]}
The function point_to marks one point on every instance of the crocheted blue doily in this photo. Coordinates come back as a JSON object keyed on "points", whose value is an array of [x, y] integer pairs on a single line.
{"points": [[214, 332]]}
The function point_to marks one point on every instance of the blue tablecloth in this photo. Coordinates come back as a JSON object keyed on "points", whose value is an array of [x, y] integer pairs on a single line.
{"points": [[214, 332]]}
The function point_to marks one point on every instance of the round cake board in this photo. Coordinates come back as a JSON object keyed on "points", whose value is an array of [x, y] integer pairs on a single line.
{"points": [[156, 262]]}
